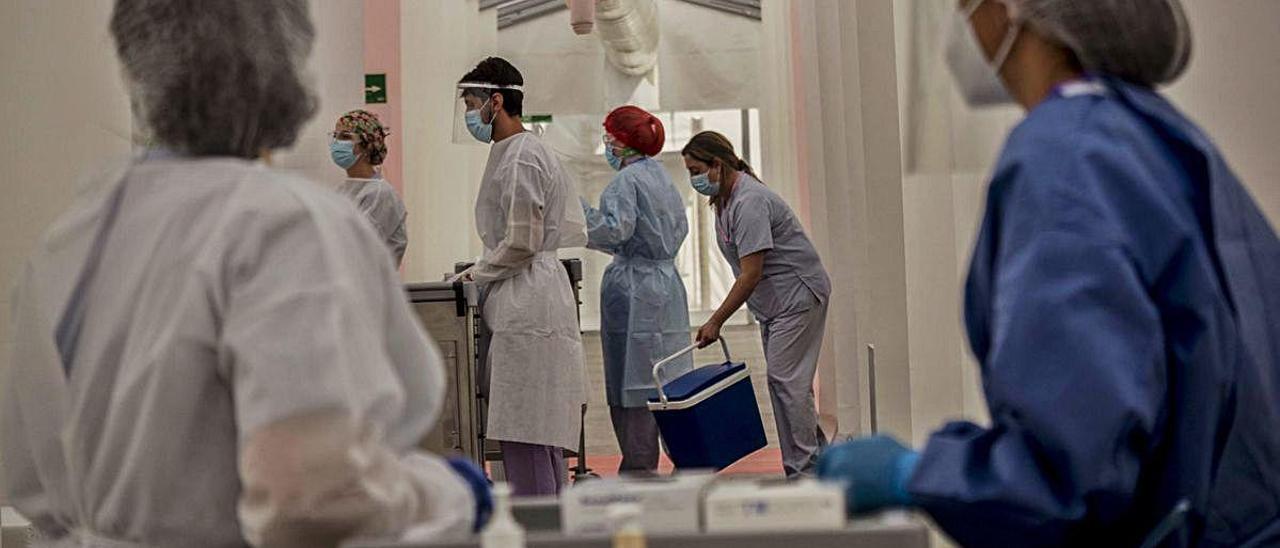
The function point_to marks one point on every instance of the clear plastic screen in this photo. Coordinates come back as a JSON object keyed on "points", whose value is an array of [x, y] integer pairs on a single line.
{"points": [[473, 96]]}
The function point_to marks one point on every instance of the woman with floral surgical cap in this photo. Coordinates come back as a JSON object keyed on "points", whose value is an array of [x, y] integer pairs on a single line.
{"points": [[359, 145]]}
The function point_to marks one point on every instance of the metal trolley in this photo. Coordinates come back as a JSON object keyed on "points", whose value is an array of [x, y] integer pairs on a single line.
{"points": [[451, 313]]}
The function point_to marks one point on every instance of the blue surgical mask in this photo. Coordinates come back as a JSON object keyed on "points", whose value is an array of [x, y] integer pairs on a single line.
{"points": [[704, 185], [614, 161], [343, 153], [482, 131]]}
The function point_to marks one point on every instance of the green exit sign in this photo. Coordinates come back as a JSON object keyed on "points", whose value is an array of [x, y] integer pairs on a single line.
{"points": [[375, 88]]}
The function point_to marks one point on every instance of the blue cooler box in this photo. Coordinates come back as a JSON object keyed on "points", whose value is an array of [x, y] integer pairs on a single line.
{"points": [[708, 417]]}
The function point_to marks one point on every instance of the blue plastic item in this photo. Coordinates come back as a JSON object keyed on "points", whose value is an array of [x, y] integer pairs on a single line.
{"points": [[697, 380], [708, 417]]}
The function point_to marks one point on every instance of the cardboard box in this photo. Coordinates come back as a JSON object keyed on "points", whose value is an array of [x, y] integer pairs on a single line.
{"points": [[670, 504], [773, 505]]}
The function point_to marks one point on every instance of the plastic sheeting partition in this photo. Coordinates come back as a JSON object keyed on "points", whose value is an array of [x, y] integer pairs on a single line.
{"points": [[629, 31], [708, 59]]}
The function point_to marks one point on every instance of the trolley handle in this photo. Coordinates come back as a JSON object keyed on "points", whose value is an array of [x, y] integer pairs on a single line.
{"points": [[657, 367]]}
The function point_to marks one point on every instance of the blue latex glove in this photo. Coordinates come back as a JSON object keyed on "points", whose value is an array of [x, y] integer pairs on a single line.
{"points": [[479, 485], [874, 469]]}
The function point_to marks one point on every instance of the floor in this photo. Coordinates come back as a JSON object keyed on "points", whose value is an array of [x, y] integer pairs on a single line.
{"points": [[765, 462], [744, 345]]}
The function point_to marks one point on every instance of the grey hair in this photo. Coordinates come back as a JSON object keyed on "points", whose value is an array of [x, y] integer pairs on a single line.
{"points": [[1146, 42], [217, 78]]}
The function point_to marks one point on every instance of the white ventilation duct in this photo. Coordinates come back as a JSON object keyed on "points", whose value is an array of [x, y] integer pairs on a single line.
{"points": [[629, 31], [582, 15]]}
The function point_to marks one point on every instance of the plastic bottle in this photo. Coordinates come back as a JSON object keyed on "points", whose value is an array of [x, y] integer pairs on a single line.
{"points": [[502, 531], [627, 531]]}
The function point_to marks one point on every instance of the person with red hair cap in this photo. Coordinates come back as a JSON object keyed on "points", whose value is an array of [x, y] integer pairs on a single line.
{"points": [[644, 314]]}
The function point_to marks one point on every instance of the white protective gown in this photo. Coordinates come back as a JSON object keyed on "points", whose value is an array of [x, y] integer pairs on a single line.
{"points": [[526, 210], [380, 203], [247, 369]]}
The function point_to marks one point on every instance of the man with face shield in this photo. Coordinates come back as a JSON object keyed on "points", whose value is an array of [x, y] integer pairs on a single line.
{"points": [[208, 351], [527, 209], [1122, 301]]}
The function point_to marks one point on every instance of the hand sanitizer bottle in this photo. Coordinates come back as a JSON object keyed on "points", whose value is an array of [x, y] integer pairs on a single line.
{"points": [[627, 532], [502, 530]]}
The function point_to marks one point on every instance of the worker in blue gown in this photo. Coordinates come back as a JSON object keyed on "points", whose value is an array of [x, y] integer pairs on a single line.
{"points": [[644, 314], [1123, 301]]}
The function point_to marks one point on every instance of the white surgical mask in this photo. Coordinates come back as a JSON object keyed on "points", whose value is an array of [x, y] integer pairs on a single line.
{"points": [[977, 79]]}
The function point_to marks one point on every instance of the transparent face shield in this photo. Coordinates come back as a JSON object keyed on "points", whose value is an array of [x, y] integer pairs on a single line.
{"points": [[473, 112]]}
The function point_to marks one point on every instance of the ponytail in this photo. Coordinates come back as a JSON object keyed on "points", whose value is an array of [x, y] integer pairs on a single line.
{"points": [[744, 167]]}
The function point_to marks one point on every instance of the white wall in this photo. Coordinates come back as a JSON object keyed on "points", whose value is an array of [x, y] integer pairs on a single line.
{"points": [[440, 42], [830, 125], [1232, 89], [64, 110], [336, 70]]}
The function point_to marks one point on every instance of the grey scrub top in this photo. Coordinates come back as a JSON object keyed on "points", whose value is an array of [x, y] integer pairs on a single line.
{"points": [[756, 219]]}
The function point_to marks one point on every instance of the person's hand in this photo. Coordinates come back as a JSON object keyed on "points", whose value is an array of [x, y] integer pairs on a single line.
{"points": [[464, 276], [875, 471], [708, 334], [480, 490]]}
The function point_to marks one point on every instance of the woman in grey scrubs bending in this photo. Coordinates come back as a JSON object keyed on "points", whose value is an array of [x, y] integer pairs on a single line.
{"points": [[779, 277]]}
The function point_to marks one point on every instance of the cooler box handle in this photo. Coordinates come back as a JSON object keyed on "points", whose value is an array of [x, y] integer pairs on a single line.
{"points": [[657, 368]]}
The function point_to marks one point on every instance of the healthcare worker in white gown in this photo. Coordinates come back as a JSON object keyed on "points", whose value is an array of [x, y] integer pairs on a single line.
{"points": [[208, 352], [780, 278], [527, 208]]}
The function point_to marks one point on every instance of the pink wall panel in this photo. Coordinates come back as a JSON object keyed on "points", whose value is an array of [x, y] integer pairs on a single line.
{"points": [[382, 55]]}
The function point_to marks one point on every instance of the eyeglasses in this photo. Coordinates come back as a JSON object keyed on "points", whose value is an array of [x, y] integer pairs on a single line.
{"points": [[343, 136], [609, 141]]}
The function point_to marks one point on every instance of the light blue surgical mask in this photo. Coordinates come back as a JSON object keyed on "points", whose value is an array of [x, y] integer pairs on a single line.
{"points": [[704, 185], [343, 153], [614, 161], [482, 131]]}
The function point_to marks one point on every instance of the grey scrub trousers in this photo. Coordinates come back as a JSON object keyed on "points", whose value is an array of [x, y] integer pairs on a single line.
{"points": [[790, 301], [791, 346], [637, 433]]}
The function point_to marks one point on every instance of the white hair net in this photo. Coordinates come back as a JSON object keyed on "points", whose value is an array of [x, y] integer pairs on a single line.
{"points": [[1146, 42], [216, 78]]}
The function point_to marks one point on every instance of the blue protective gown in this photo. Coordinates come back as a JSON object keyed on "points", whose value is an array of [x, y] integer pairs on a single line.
{"points": [[1124, 304], [644, 312]]}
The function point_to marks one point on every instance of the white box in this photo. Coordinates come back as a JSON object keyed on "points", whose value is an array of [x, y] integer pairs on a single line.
{"points": [[15, 530], [670, 504], [772, 505]]}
